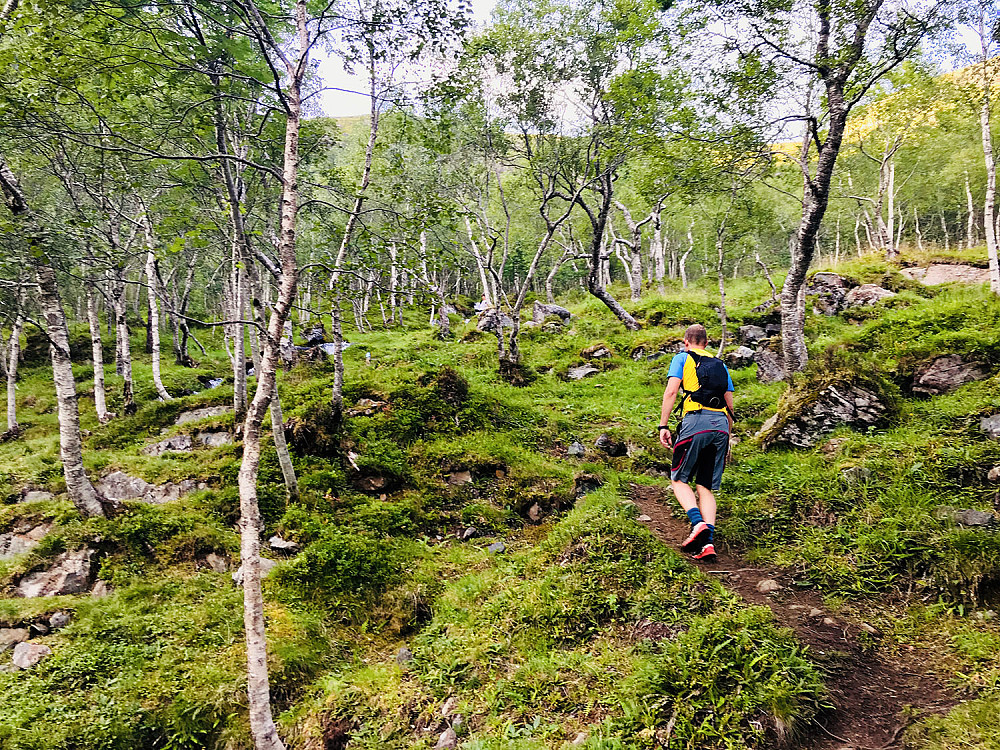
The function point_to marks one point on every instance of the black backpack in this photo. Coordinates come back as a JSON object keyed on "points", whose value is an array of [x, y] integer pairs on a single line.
{"points": [[713, 381]]}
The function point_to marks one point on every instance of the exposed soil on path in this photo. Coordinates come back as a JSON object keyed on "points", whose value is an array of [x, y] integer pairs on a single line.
{"points": [[875, 695]]}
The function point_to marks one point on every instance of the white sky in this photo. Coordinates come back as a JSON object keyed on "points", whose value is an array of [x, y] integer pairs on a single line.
{"points": [[339, 101]]}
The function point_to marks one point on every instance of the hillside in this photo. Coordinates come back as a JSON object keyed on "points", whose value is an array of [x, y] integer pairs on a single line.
{"points": [[466, 567]]}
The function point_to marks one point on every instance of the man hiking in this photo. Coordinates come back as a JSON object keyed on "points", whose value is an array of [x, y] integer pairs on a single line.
{"points": [[701, 445]]}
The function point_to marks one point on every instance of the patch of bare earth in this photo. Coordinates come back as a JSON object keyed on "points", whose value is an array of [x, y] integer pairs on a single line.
{"points": [[875, 695]]}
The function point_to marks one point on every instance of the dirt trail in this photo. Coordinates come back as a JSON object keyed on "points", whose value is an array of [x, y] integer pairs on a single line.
{"points": [[870, 691]]}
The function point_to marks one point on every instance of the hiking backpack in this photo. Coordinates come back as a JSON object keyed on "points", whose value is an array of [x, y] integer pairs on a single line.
{"points": [[713, 381]]}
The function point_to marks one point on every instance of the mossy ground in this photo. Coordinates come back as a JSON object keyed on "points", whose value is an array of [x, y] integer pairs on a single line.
{"points": [[551, 638]]}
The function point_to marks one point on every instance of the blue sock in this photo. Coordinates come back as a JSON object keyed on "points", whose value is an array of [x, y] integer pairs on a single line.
{"points": [[694, 516], [711, 533]]}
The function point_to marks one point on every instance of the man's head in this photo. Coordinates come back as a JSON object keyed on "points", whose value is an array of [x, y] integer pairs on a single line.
{"points": [[696, 337]]}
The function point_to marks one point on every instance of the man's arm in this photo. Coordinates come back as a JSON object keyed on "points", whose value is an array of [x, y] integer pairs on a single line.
{"points": [[730, 409], [669, 397]]}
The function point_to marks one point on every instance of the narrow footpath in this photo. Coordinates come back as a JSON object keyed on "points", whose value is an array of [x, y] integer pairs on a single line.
{"points": [[876, 696]]}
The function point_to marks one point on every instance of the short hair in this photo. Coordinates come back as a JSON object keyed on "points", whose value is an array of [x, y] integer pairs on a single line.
{"points": [[696, 334]]}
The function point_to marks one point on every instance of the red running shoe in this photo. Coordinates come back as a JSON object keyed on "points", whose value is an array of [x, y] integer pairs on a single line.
{"points": [[707, 553], [698, 538]]}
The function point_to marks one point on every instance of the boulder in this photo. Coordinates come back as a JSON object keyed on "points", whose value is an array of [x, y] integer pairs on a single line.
{"points": [[947, 373], [177, 443], [22, 539], [866, 295], [576, 449], [10, 637], [282, 545], [59, 619], [367, 407], [33, 496], [266, 566], [449, 706], [118, 486], [213, 439], [196, 415], [991, 426], [541, 311], [370, 484], [993, 474], [614, 448], [497, 548], [314, 335], [581, 372], [946, 273], [740, 358], [597, 351], [458, 478], [750, 335], [71, 574], [27, 655], [769, 368], [494, 321], [807, 419], [101, 589], [830, 291], [214, 562]]}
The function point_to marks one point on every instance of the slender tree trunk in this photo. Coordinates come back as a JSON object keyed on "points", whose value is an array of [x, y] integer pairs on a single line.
{"points": [[916, 225], [262, 724], [767, 275], [857, 235], [599, 223], [989, 222], [684, 257], [944, 230], [14, 358], [971, 233], [890, 248], [337, 397], [154, 311], [723, 318], [238, 332], [97, 351], [124, 345]]}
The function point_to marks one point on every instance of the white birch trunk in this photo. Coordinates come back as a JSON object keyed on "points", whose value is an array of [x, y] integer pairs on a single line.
{"points": [[154, 312], [14, 358], [97, 353], [989, 221], [971, 205]]}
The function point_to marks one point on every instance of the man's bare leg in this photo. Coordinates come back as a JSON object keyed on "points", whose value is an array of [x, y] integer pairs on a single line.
{"points": [[684, 494], [706, 504]]}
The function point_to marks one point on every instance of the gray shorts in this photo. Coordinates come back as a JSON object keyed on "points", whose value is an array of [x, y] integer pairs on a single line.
{"points": [[700, 449]]}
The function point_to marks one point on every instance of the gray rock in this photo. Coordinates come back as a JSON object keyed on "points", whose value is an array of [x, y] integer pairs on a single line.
{"points": [[830, 291], [22, 540], [741, 357], [598, 351], [119, 486], [541, 311], [581, 372], [266, 566], [39, 628], [214, 562], [276, 542], [974, 518], [644, 518], [836, 405], [866, 295], [576, 449], [750, 335], [33, 496], [177, 444], [448, 739], [494, 321], [10, 637], [196, 415], [214, 439], [993, 474], [584, 484], [314, 335], [458, 478], [27, 655], [497, 548], [71, 574], [101, 589], [59, 619], [580, 739], [449, 706], [947, 373], [768, 366], [772, 329], [991, 426], [829, 622], [404, 656], [768, 586], [469, 533], [535, 512], [655, 356], [854, 476], [815, 612], [367, 407], [946, 273], [614, 448], [371, 484]]}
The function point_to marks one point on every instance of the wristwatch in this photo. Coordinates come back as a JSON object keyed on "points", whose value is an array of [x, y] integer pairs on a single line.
{"points": [[664, 427]]}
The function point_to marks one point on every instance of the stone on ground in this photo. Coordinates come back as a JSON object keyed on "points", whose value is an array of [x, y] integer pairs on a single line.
{"points": [[32, 496], [497, 548], [541, 311], [27, 655], [768, 366], [614, 448], [576, 448], [945, 374], [213, 439], [750, 335], [946, 273], [830, 290], [835, 405], [176, 444], [448, 739], [283, 545], [196, 415], [597, 351], [991, 426], [266, 566], [581, 372], [404, 655], [866, 295], [740, 358], [22, 539], [59, 619], [768, 586], [70, 574], [458, 478], [118, 486], [10, 637]]}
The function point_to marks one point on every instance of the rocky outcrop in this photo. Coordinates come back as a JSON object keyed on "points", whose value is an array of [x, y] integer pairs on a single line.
{"points": [[866, 295], [750, 335], [34, 496], [196, 415], [802, 420], [72, 573], [213, 439], [597, 351], [119, 486], [830, 291], [23, 538], [769, 368], [991, 426], [946, 273], [177, 443], [740, 357], [28, 655], [581, 372], [541, 311], [945, 374], [10, 637]]}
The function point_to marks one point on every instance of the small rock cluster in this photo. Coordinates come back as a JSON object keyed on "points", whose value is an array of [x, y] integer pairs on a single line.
{"points": [[834, 294], [836, 405], [118, 486]]}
